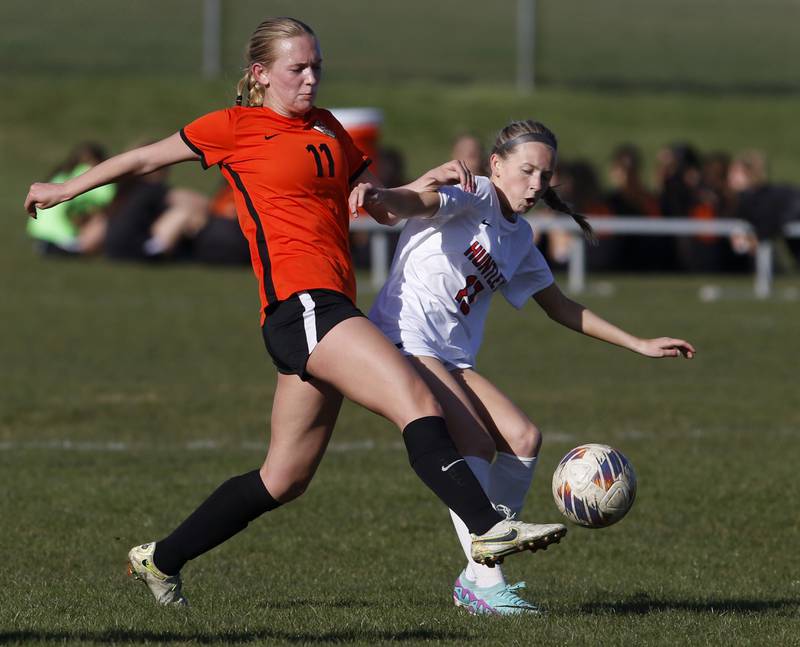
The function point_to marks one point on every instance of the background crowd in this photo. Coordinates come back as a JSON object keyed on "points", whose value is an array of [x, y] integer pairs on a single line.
{"points": [[148, 219]]}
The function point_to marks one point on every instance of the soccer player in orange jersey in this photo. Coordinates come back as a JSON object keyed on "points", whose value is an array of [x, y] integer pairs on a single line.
{"points": [[291, 166]]}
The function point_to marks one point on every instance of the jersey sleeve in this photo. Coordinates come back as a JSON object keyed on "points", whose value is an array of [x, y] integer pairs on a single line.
{"points": [[211, 136], [357, 161], [454, 200], [532, 276]]}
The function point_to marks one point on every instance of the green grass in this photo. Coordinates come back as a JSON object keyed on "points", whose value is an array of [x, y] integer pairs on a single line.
{"points": [[711, 45], [129, 393]]}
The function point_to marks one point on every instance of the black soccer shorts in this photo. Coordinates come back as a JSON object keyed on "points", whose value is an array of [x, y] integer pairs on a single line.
{"points": [[293, 327]]}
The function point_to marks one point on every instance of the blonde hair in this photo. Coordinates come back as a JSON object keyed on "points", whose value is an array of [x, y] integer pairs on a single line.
{"points": [[520, 132], [754, 164], [261, 48]]}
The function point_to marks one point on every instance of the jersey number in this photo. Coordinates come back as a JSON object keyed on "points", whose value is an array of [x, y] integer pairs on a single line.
{"points": [[318, 159], [467, 295]]}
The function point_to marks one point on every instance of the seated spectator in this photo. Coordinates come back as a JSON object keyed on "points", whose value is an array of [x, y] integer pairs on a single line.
{"points": [[469, 149], [149, 220], [76, 227], [630, 197], [768, 207], [578, 186], [680, 178], [220, 240], [713, 199], [587, 198]]}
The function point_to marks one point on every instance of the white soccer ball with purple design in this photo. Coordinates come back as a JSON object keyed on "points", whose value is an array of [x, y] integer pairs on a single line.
{"points": [[594, 485]]}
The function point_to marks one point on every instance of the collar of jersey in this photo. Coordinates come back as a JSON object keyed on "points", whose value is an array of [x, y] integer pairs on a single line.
{"points": [[303, 122]]}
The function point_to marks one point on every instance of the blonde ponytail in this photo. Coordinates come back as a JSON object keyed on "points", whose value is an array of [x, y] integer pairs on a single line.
{"points": [[249, 93]]}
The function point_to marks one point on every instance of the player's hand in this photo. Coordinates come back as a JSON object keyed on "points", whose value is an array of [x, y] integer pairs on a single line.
{"points": [[452, 172], [666, 347], [43, 195], [363, 196]]}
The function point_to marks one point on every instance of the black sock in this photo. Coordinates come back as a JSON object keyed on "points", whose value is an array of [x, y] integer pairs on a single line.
{"points": [[227, 511], [436, 461]]}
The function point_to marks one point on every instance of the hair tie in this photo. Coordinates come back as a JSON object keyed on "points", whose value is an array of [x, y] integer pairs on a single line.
{"points": [[238, 99]]}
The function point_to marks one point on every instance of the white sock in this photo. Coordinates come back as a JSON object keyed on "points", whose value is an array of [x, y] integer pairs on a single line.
{"points": [[510, 479], [482, 575]]}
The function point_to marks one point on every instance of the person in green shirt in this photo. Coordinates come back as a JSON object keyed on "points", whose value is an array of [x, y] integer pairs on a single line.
{"points": [[77, 226]]}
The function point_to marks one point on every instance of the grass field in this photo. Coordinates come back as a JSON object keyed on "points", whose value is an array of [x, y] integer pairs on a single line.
{"points": [[129, 393], [711, 45]]}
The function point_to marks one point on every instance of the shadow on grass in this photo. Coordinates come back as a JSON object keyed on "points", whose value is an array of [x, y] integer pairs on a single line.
{"points": [[642, 604], [121, 636]]}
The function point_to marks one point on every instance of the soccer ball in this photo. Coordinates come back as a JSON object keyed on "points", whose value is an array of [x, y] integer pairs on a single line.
{"points": [[594, 485]]}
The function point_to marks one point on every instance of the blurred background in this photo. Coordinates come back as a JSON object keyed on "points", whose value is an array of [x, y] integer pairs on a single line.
{"points": [[655, 103]]}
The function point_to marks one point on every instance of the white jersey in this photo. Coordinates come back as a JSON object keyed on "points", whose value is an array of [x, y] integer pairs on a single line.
{"points": [[446, 269]]}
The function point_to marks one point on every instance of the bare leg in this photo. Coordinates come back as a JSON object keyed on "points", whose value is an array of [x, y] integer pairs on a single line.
{"points": [[92, 234], [363, 365], [512, 430], [517, 438], [463, 421], [303, 417], [186, 213]]}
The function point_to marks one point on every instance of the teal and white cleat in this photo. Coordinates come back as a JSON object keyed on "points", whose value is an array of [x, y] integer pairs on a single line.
{"points": [[508, 537], [165, 588], [498, 600]]}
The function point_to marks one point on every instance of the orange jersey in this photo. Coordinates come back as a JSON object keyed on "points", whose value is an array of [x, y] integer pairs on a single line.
{"points": [[291, 179]]}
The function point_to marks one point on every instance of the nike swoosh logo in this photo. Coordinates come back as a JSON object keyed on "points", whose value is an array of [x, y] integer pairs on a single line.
{"points": [[511, 535], [447, 467], [146, 564], [486, 222], [271, 136]]}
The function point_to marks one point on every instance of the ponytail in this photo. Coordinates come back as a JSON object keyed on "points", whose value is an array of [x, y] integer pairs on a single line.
{"points": [[552, 200], [249, 93]]}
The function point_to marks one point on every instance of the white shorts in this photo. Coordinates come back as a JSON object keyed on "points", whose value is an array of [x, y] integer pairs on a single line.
{"points": [[418, 346]]}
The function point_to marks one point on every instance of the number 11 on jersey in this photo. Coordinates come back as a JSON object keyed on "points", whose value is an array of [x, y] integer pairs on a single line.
{"points": [[318, 159]]}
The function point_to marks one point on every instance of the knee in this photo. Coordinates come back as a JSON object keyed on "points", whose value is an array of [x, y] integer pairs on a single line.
{"points": [[285, 488], [524, 439]]}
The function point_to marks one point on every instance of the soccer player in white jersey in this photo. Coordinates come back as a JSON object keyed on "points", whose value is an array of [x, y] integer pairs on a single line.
{"points": [[469, 243]]}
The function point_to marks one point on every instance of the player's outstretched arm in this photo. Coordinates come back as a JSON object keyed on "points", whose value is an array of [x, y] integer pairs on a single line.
{"points": [[138, 161], [573, 315], [389, 206], [391, 209]]}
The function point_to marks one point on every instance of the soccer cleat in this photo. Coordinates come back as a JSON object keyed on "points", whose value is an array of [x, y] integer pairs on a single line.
{"points": [[165, 588], [508, 537], [498, 600]]}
